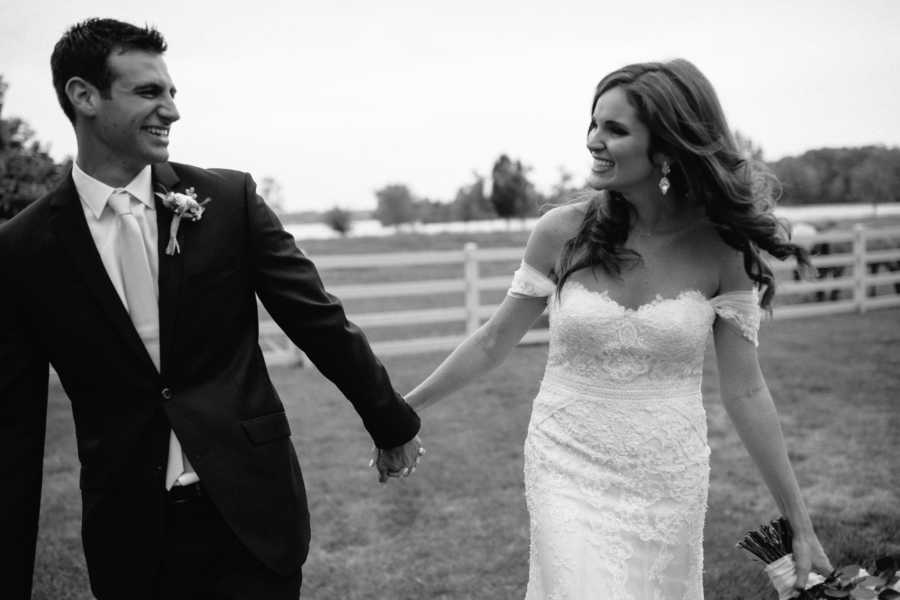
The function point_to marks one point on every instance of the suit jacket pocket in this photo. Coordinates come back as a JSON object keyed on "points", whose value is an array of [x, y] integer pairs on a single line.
{"points": [[267, 428]]}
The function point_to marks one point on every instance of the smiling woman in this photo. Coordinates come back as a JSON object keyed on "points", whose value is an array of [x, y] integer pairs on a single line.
{"points": [[636, 275], [617, 138], [662, 122]]}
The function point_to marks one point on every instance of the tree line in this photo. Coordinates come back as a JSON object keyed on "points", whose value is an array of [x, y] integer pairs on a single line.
{"points": [[867, 174], [27, 171], [510, 195]]}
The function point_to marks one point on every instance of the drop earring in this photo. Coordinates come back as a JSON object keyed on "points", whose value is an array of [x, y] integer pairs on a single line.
{"points": [[664, 183]]}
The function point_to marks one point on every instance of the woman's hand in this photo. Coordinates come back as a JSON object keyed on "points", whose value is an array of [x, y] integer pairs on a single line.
{"points": [[809, 556], [414, 401]]}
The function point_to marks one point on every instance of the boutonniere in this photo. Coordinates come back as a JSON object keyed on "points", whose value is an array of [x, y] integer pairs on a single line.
{"points": [[185, 206]]}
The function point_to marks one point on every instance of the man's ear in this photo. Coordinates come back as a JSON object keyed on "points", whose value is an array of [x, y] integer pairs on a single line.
{"points": [[83, 95]]}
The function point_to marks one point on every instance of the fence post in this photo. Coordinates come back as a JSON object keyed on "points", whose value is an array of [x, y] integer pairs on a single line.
{"points": [[859, 267], [470, 267]]}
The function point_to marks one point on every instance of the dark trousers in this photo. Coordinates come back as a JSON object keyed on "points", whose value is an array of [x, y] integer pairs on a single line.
{"points": [[204, 560]]}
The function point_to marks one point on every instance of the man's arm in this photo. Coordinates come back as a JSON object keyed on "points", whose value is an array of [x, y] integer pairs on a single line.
{"points": [[290, 288], [23, 412]]}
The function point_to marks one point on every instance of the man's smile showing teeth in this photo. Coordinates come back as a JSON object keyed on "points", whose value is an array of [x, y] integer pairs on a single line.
{"points": [[158, 131]]}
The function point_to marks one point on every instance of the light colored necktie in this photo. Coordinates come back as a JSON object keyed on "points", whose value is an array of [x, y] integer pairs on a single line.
{"points": [[142, 303], [137, 278]]}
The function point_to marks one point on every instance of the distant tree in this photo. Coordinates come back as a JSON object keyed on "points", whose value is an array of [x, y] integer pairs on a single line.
{"points": [[747, 146], [272, 193], [511, 193], [471, 203], [877, 178], [564, 188], [339, 220], [868, 174], [396, 205], [27, 171], [801, 181], [433, 211]]}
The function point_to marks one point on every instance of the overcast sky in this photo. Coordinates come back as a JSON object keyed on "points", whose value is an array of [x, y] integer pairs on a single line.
{"points": [[338, 98]]}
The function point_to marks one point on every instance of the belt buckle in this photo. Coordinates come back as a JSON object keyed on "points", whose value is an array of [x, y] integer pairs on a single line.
{"points": [[180, 494]]}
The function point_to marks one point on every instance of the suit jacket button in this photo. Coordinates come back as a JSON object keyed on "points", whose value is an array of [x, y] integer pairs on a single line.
{"points": [[166, 394]]}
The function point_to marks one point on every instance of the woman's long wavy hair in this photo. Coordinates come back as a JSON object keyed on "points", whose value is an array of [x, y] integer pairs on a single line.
{"points": [[678, 105]]}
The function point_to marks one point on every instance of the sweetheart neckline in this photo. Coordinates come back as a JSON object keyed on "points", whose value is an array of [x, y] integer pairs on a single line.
{"points": [[659, 299]]}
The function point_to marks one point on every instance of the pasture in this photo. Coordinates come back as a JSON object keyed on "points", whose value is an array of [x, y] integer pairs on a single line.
{"points": [[457, 529]]}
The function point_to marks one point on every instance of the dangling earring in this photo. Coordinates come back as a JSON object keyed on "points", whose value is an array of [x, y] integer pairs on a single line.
{"points": [[664, 183]]}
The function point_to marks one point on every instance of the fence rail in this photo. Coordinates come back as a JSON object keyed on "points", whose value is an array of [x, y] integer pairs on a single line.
{"points": [[848, 279]]}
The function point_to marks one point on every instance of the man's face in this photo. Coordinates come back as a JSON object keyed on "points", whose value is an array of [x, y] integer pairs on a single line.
{"points": [[131, 126]]}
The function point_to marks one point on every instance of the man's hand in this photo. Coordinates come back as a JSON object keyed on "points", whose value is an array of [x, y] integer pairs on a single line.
{"points": [[400, 461]]}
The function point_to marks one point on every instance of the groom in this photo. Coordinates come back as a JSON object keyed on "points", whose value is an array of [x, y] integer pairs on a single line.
{"points": [[190, 484]]}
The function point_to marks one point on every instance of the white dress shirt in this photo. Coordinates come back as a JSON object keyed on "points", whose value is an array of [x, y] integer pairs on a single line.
{"points": [[101, 221]]}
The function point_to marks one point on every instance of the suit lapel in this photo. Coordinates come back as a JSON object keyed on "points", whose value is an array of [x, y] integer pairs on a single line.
{"points": [[171, 267], [70, 228]]}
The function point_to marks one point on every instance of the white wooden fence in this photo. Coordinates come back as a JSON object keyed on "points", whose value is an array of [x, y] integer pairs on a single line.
{"points": [[854, 277]]}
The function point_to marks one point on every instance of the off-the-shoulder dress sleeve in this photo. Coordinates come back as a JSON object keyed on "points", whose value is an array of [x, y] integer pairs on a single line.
{"points": [[528, 282], [741, 310]]}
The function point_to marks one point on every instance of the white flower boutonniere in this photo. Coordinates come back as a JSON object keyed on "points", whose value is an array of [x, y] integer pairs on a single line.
{"points": [[185, 206]]}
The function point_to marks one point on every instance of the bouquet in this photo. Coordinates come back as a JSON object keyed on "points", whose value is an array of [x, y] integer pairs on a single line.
{"points": [[771, 545]]}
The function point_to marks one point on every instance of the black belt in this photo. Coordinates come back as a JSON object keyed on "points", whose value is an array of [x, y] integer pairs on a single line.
{"points": [[179, 494]]}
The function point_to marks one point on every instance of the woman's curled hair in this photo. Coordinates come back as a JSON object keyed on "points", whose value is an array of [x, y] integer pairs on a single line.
{"points": [[678, 105]]}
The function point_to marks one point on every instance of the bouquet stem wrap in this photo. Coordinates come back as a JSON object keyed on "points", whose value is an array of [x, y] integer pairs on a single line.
{"points": [[783, 574]]}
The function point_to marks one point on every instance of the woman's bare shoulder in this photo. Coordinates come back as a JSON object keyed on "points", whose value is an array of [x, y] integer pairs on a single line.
{"points": [[552, 231], [563, 221]]}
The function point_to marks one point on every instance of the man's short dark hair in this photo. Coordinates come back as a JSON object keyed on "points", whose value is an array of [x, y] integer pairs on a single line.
{"points": [[84, 48]]}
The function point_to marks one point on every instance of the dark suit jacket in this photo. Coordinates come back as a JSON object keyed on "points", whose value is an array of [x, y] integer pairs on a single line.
{"points": [[57, 305]]}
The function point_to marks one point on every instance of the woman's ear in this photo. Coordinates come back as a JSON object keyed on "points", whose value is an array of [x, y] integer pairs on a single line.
{"points": [[659, 158]]}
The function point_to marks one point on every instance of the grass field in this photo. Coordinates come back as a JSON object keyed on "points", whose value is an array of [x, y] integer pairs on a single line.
{"points": [[458, 528]]}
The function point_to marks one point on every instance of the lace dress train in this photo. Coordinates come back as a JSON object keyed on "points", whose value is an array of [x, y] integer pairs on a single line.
{"points": [[616, 455]]}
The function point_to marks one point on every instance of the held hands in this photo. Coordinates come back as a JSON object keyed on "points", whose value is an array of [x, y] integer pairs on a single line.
{"points": [[809, 556], [400, 461]]}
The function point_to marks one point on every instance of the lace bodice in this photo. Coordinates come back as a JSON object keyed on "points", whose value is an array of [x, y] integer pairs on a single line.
{"points": [[659, 344], [616, 458]]}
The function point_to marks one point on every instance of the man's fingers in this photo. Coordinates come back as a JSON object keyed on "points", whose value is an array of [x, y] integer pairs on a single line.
{"points": [[397, 462]]}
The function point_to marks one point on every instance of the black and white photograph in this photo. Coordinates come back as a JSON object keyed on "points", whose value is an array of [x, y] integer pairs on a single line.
{"points": [[493, 300]]}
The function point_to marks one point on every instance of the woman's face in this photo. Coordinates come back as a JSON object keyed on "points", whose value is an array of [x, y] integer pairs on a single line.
{"points": [[618, 143]]}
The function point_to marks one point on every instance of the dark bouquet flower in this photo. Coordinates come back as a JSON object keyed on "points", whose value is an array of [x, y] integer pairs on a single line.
{"points": [[771, 545]]}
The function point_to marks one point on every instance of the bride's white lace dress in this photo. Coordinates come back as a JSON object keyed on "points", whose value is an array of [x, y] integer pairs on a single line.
{"points": [[616, 456]]}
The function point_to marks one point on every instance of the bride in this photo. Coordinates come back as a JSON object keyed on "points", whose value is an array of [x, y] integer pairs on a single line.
{"points": [[636, 275]]}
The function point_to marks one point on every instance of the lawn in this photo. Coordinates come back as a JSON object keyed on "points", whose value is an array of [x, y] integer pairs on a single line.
{"points": [[458, 528]]}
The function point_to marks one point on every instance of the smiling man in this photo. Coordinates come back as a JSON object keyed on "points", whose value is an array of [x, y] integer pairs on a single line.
{"points": [[191, 487]]}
